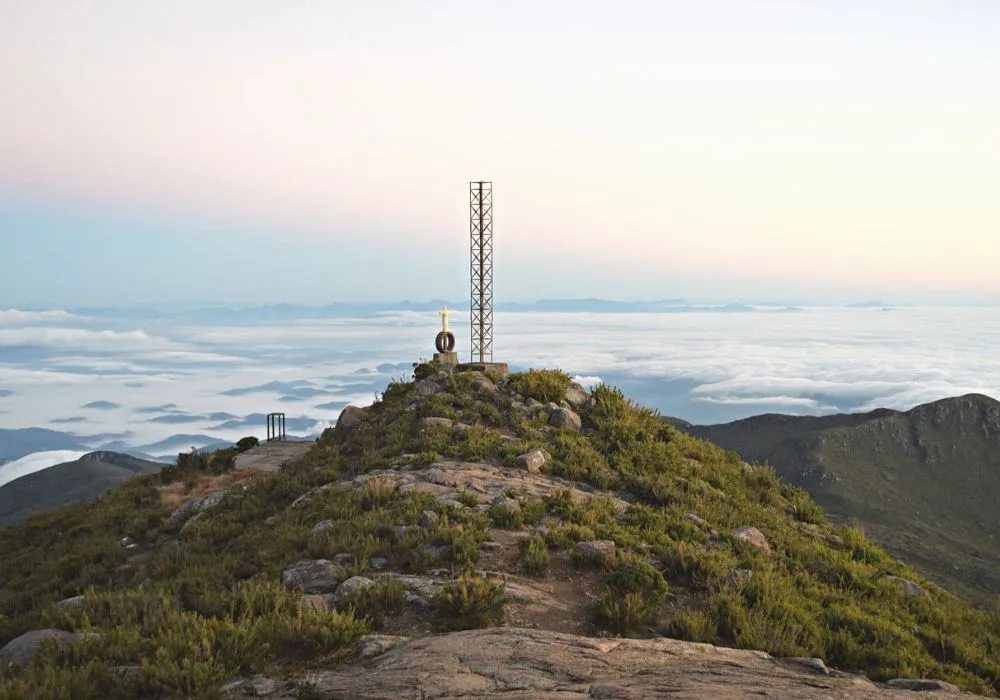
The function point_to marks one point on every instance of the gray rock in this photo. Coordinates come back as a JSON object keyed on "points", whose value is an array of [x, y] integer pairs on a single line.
{"points": [[696, 520], [427, 387], [318, 576], [483, 385], [378, 564], [20, 651], [512, 662], [505, 502], [313, 494], [70, 604], [564, 418], [349, 419], [908, 587], [315, 602], [196, 505], [809, 664], [534, 460], [431, 423], [437, 551], [417, 601], [256, 687], [401, 530], [344, 559], [353, 585], [192, 520], [429, 519], [921, 684], [753, 537], [599, 550], [321, 526], [377, 644], [576, 395]]}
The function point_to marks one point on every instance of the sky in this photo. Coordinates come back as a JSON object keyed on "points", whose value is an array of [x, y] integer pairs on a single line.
{"points": [[251, 151]]}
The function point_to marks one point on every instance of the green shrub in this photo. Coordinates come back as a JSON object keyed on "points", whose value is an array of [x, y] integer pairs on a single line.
{"points": [[541, 385], [693, 626], [506, 517], [634, 593], [246, 443], [471, 602], [534, 555]]}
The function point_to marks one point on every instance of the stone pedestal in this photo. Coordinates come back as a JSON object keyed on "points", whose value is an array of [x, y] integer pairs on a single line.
{"points": [[449, 359]]}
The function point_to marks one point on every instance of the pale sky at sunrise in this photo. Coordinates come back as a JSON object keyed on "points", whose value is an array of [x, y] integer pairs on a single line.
{"points": [[319, 151]]}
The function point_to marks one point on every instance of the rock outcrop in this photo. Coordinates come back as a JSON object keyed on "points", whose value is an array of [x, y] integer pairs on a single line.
{"points": [[20, 651], [509, 662]]}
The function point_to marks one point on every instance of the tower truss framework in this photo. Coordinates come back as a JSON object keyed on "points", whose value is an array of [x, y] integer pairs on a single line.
{"points": [[481, 258]]}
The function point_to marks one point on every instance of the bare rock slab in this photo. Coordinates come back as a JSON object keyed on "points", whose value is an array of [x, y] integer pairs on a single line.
{"points": [[510, 662]]}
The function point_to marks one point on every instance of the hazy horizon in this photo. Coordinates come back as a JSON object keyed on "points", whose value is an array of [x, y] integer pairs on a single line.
{"points": [[254, 152]]}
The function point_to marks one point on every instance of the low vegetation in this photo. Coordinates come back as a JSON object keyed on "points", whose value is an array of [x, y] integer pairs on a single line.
{"points": [[196, 602]]}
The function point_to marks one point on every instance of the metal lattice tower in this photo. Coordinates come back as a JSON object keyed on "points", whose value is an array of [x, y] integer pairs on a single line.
{"points": [[481, 234]]}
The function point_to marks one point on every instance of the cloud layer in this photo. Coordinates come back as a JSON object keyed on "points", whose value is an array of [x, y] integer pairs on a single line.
{"points": [[704, 367]]}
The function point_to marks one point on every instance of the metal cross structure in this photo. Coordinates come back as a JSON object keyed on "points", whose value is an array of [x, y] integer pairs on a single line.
{"points": [[481, 234]]}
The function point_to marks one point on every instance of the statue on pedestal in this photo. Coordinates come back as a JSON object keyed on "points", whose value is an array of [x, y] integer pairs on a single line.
{"points": [[445, 341]]}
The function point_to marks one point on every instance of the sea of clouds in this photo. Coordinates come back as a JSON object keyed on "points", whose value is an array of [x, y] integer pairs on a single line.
{"points": [[160, 383]]}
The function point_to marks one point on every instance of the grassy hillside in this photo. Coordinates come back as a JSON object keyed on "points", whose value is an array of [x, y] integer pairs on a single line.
{"points": [[634, 527], [923, 482], [88, 477]]}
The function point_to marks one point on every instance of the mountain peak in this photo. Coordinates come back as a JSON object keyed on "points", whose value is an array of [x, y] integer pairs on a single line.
{"points": [[506, 515]]}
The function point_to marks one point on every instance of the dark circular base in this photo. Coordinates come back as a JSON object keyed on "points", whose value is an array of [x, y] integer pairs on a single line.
{"points": [[445, 341]]}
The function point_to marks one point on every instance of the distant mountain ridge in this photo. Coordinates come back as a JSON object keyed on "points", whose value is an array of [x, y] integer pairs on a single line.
{"points": [[923, 481], [90, 476]]}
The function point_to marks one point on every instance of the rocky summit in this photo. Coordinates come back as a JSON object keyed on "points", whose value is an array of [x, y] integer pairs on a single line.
{"points": [[476, 535]]}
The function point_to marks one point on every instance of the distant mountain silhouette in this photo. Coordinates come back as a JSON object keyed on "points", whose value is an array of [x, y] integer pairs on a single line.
{"points": [[91, 476], [924, 481]]}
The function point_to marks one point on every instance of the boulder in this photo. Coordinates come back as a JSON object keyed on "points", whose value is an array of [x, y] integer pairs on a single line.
{"points": [[321, 526], [534, 460], [427, 387], [376, 644], [192, 520], [908, 587], [317, 576], [429, 519], [315, 602], [576, 395], [431, 422], [483, 385], [696, 520], [378, 563], [21, 650], [352, 585], [921, 684], [349, 419], [195, 506], [564, 418], [753, 537], [599, 550], [70, 604]]}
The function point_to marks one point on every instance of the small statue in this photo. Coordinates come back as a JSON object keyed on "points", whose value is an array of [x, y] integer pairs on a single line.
{"points": [[445, 341]]}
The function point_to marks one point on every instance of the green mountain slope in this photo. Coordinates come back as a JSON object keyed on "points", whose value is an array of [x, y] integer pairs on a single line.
{"points": [[88, 477], [461, 501], [924, 483]]}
